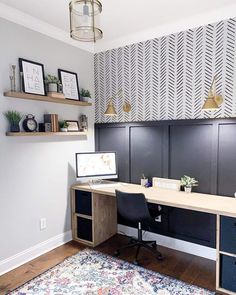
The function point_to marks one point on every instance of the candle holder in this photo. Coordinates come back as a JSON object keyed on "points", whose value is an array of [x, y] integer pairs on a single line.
{"points": [[14, 77], [12, 83]]}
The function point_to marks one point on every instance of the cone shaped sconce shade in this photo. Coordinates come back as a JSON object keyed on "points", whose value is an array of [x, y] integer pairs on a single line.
{"points": [[213, 101], [110, 111], [210, 104]]}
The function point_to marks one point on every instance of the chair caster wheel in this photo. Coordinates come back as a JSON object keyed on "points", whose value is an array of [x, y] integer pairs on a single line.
{"points": [[160, 257], [154, 245], [117, 254]]}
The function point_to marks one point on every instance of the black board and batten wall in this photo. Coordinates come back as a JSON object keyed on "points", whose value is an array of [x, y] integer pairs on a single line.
{"points": [[204, 149]]}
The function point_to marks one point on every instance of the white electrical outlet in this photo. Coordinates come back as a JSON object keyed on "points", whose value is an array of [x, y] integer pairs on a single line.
{"points": [[43, 223]]}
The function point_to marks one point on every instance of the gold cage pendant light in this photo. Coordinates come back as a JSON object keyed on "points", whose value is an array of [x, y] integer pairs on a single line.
{"points": [[84, 20]]}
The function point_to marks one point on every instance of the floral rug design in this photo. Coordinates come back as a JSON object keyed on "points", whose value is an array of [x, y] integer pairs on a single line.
{"points": [[92, 273]]}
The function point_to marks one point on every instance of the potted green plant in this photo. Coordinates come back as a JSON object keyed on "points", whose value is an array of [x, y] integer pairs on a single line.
{"points": [[13, 118], [52, 83], [63, 126], [85, 94], [188, 182]]}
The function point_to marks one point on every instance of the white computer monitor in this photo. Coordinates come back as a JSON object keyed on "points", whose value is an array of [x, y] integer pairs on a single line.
{"points": [[96, 165]]}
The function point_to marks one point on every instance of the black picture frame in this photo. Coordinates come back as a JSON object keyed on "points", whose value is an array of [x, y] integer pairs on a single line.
{"points": [[70, 84], [33, 77], [73, 126]]}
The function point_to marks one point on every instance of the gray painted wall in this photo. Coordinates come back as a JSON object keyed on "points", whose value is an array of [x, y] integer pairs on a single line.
{"points": [[169, 77], [35, 173]]}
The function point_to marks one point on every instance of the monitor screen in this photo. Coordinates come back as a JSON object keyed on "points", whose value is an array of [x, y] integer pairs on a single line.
{"points": [[96, 165]]}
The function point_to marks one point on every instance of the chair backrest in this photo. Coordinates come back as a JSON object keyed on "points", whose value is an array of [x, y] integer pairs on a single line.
{"points": [[132, 207]]}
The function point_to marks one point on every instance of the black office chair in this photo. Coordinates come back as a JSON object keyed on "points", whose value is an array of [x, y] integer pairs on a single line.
{"points": [[133, 207]]}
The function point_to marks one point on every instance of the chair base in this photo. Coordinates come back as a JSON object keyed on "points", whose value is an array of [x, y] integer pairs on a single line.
{"points": [[151, 246]]}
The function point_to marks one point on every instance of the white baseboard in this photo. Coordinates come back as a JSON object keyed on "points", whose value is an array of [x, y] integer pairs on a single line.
{"points": [[172, 243], [33, 252]]}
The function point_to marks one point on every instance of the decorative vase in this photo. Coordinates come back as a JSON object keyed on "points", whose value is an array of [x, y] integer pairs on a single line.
{"points": [[52, 87], [63, 129], [14, 128], [188, 189], [85, 98]]}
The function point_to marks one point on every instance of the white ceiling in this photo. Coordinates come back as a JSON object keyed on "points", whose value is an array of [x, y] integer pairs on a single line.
{"points": [[121, 20]]}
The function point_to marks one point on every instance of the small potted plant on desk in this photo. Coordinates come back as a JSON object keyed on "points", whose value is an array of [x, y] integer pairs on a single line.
{"points": [[13, 118], [63, 126], [188, 182], [85, 95]]}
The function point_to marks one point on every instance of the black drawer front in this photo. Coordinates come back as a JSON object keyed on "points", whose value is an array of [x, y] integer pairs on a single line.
{"points": [[83, 203], [228, 272], [228, 234], [84, 229]]}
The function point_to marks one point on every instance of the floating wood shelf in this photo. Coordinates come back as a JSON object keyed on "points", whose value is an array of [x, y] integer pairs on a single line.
{"points": [[22, 95], [46, 133]]}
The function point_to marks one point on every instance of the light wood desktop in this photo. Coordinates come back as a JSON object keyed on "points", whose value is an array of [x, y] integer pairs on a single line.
{"points": [[104, 217]]}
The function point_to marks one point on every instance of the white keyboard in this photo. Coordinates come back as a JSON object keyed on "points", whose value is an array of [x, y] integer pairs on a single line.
{"points": [[102, 185]]}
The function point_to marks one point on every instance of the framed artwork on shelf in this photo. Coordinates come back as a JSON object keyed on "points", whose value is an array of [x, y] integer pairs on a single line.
{"points": [[32, 77], [73, 126], [70, 85]]}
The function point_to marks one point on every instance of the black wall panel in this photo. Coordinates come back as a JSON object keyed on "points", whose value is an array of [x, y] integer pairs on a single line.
{"points": [[190, 154], [227, 160], [204, 149], [114, 139], [146, 152]]}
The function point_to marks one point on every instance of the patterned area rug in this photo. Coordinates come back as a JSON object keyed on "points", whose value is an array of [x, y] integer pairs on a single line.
{"points": [[92, 273]]}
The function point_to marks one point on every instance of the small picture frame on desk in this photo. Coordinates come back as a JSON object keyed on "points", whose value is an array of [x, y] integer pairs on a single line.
{"points": [[32, 77], [70, 85], [73, 126]]}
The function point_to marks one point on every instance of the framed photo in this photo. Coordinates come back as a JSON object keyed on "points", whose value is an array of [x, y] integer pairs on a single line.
{"points": [[70, 84], [73, 126], [33, 77]]}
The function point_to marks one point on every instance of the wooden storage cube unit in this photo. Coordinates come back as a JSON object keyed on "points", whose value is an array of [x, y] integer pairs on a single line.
{"points": [[228, 272], [94, 217], [83, 202], [228, 235], [84, 229]]}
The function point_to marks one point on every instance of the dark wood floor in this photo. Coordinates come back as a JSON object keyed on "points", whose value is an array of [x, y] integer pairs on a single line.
{"points": [[185, 267]]}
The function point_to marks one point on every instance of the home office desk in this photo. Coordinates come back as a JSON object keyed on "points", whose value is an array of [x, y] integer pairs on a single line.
{"points": [[94, 220]]}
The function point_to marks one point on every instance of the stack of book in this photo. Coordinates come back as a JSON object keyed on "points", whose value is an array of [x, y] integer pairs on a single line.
{"points": [[53, 120]]}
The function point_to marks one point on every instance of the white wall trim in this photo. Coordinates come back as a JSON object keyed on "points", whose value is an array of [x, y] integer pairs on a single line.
{"points": [[184, 24], [172, 243], [35, 24], [33, 252]]}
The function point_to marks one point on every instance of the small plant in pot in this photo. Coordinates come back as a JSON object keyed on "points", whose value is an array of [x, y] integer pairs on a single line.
{"points": [[13, 118], [188, 182], [52, 83], [85, 95], [63, 126]]}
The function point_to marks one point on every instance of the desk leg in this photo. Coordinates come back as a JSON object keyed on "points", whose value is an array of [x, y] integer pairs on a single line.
{"points": [[104, 218]]}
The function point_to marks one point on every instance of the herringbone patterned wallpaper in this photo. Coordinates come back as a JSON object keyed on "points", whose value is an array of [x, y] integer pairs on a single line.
{"points": [[169, 77]]}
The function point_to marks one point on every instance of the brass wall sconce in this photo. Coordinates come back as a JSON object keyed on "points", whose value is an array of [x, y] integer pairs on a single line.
{"points": [[111, 111], [213, 101]]}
